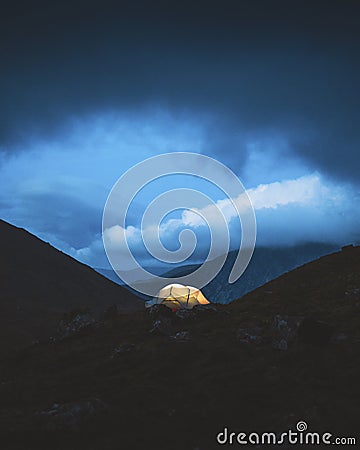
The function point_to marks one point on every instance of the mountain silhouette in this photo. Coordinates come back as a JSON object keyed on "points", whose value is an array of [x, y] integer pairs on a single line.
{"points": [[267, 263], [40, 283]]}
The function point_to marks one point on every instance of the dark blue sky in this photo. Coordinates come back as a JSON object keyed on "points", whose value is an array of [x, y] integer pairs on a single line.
{"points": [[269, 88]]}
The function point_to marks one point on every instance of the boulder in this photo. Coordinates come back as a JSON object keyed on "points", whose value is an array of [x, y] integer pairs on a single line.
{"points": [[181, 336], [81, 322], [284, 331], [249, 335], [162, 326]]}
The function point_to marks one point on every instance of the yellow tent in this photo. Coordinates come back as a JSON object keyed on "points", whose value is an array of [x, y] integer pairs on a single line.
{"points": [[178, 296]]}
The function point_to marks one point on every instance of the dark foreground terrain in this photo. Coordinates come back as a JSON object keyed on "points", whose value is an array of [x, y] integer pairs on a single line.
{"points": [[287, 352]]}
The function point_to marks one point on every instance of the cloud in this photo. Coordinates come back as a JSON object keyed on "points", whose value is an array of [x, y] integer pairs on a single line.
{"points": [[62, 217], [309, 208], [252, 66], [57, 188], [306, 209], [304, 191]]}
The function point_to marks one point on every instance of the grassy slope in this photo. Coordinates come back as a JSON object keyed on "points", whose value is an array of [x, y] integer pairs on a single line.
{"points": [[178, 395], [39, 283]]}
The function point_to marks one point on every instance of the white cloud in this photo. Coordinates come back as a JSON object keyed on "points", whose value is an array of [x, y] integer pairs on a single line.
{"points": [[306, 190], [304, 209]]}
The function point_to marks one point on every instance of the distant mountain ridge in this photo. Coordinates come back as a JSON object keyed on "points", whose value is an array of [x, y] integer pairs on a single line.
{"points": [[134, 275], [266, 264]]}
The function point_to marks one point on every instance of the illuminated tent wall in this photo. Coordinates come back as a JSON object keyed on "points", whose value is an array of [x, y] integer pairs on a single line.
{"points": [[178, 296]]}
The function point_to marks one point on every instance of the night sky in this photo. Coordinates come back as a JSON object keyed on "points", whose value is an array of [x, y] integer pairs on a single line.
{"points": [[270, 88]]}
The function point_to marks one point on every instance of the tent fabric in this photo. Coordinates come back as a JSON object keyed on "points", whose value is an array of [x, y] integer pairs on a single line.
{"points": [[178, 296]]}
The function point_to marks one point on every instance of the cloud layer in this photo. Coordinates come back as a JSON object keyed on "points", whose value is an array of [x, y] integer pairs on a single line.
{"points": [[254, 67], [61, 199]]}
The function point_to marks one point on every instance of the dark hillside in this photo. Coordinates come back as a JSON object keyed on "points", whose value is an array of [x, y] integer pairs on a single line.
{"points": [[287, 352], [39, 283]]}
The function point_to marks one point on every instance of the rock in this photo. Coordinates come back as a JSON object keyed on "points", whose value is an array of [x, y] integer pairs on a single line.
{"points": [[284, 331], [184, 313], [70, 416], [181, 313], [286, 326], [162, 326], [159, 311], [314, 332], [249, 336], [181, 336], [280, 345], [353, 294], [280, 324], [196, 311], [205, 308], [79, 323], [123, 348]]}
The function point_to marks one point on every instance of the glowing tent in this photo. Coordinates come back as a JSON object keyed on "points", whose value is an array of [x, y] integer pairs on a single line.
{"points": [[178, 296]]}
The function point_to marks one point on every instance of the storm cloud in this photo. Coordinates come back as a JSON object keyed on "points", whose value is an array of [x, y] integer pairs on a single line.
{"points": [[254, 66]]}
